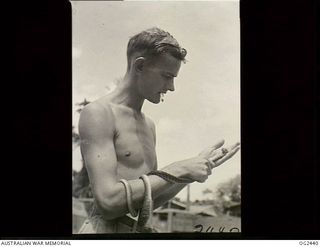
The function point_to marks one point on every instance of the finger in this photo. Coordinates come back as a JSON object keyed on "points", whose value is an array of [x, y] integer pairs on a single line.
{"points": [[227, 156], [210, 163], [218, 154], [208, 168], [213, 149], [215, 156], [231, 147], [218, 144], [226, 153]]}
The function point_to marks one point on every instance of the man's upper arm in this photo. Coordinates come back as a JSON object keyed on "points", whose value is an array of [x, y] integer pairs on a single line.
{"points": [[96, 129], [153, 129]]}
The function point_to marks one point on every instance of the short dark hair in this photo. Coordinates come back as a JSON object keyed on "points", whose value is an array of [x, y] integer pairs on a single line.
{"points": [[153, 42]]}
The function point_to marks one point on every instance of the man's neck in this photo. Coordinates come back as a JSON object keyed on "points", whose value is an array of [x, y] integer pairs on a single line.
{"points": [[126, 94]]}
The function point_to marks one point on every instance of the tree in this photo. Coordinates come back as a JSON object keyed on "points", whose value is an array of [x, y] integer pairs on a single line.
{"points": [[228, 194], [230, 190]]}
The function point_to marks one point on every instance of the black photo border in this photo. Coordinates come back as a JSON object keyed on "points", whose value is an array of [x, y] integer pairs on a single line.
{"points": [[279, 105]]}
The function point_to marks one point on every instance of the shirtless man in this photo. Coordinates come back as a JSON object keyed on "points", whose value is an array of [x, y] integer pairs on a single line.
{"points": [[118, 140]]}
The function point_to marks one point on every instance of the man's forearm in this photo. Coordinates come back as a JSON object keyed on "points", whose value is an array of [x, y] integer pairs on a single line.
{"points": [[162, 191], [114, 204], [168, 194]]}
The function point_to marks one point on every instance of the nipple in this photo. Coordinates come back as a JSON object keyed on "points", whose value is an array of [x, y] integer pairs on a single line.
{"points": [[127, 154]]}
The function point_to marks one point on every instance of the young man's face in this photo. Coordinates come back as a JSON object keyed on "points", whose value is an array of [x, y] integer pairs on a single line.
{"points": [[158, 77]]}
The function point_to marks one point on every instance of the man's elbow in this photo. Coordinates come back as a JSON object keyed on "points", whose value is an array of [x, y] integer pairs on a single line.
{"points": [[111, 206]]}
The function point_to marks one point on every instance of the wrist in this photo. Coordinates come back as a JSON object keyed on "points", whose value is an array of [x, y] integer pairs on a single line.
{"points": [[176, 170], [169, 177]]}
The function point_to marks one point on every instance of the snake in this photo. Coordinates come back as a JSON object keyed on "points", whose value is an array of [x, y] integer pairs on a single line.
{"points": [[128, 190], [147, 207], [170, 178]]}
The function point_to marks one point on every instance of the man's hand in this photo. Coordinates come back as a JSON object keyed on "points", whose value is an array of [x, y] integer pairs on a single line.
{"points": [[213, 151], [195, 169], [217, 155], [199, 168]]}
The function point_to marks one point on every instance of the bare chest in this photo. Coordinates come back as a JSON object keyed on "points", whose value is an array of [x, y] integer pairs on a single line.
{"points": [[134, 145]]}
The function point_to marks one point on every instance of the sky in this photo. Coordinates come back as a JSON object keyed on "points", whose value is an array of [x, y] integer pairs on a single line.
{"points": [[205, 106]]}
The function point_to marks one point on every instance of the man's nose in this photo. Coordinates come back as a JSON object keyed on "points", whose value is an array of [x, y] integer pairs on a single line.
{"points": [[170, 86]]}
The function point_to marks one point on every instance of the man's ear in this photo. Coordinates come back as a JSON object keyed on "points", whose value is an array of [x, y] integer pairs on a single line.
{"points": [[138, 64]]}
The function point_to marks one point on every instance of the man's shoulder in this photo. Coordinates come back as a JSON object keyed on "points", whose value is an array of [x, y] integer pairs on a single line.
{"points": [[97, 108], [96, 115]]}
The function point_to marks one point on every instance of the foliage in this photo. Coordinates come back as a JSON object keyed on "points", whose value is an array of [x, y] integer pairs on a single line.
{"points": [[82, 104], [228, 194], [230, 190]]}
